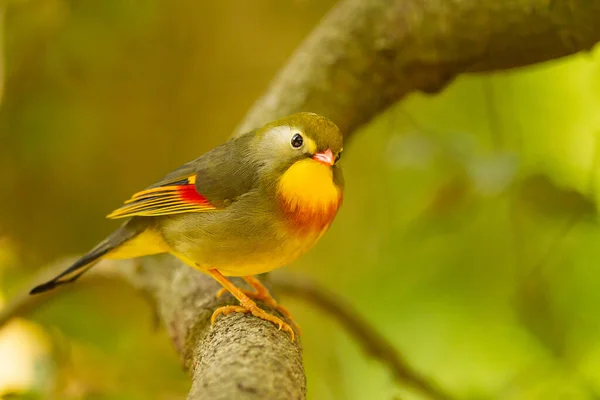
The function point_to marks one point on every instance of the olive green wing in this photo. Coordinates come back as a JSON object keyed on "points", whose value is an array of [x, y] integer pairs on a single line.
{"points": [[208, 183]]}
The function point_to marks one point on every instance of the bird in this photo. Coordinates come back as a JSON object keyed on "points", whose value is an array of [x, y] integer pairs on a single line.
{"points": [[253, 204]]}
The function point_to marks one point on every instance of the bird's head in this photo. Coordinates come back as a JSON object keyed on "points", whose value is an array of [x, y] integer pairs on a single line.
{"points": [[300, 154], [299, 137]]}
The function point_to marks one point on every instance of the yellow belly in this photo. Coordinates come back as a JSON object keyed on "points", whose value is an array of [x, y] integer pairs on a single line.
{"points": [[259, 262]]}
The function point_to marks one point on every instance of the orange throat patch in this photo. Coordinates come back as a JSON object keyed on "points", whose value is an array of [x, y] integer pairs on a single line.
{"points": [[308, 196]]}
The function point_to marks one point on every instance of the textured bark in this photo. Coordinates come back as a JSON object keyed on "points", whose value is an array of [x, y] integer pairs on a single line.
{"points": [[240, 357], [364, 56]]}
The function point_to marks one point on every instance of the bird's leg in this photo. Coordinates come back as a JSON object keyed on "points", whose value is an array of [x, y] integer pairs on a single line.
{"points": [[260, 293], [246, 304]]}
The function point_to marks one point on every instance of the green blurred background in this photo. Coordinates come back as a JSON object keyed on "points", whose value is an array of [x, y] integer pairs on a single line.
{"points": [[468, 235]]}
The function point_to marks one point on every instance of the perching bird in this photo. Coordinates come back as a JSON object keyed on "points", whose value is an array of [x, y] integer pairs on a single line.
{"points": [[248, 206]]}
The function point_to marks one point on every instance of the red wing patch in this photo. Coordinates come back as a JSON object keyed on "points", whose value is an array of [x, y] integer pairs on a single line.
{"points": [[173, 198]]}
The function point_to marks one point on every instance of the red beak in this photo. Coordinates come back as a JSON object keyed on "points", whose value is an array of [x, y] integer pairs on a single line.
{"points": [[325, 157]]}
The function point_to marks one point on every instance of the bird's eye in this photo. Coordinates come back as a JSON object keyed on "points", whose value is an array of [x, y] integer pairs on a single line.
{"points": [[337, 158], [297, 141]]}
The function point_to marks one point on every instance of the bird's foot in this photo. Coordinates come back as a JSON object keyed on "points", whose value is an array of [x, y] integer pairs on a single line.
{"points": [[264, 297], [261, 293], [257, 312], [246, 303]]}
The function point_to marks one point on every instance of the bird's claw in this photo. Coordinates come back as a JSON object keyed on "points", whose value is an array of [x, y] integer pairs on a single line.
{"points": [[257, 312], [268, 300]]}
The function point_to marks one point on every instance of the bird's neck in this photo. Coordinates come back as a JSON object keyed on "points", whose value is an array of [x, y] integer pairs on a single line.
{"points": [[308, 195]]}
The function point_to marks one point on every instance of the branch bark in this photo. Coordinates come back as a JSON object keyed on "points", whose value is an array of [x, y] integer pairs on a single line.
{"points": [[240, 357], [364, 56]]}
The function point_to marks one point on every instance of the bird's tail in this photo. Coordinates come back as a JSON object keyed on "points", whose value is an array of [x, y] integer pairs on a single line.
{"points": [[111, 244]]}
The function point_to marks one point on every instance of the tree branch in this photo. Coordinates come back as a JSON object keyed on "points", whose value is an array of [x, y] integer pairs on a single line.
{"points": [[364, 56], [240, 357]]}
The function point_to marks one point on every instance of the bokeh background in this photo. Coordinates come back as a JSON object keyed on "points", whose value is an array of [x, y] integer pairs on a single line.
{"points": [[468, 235]]}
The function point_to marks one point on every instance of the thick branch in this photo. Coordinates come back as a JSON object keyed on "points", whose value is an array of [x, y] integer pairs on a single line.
{"points": [[366, 55], [240, 357]]}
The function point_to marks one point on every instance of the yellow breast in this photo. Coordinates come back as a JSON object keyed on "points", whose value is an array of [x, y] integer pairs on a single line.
{"points": [[308, 195]]}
